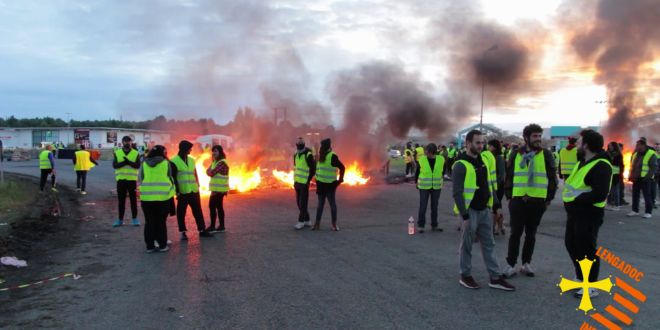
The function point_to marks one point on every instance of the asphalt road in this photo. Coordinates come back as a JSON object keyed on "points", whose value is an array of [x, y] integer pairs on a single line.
{"points": [[262, 274]]}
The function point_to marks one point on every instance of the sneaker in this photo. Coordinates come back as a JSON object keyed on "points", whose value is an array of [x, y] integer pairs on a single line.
{"points": [[647, 216], [436, 229], [220, 230], [205, 233], [509, 272], [527, 270], [118, 223], [608, 207], [300, 225], [623, 202], [53, 189], [156, 243], [592, 293], [468, 282], [184, 237], [632, 214], [308, 223], [136, 222], [655, 205], [420, 230], [83, 192], [501, 284], [164, 249], [616, 208]]}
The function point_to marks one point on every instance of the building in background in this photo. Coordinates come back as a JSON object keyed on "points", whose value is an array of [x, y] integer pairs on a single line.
{"points": [[93, 137]]}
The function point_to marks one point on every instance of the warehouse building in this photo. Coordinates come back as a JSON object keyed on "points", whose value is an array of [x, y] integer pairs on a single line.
{"points": [[92, 137]]}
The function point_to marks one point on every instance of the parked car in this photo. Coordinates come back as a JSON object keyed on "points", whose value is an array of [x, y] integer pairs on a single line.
{"points": [[395, 154]]}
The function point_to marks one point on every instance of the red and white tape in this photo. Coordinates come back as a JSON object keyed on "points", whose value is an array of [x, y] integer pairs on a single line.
{"points": [[75, 277]]}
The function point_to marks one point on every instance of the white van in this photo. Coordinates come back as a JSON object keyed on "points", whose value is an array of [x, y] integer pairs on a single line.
{"points": [[215, 139]]}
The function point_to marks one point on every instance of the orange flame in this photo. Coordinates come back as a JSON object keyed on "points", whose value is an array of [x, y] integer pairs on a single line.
{"points": [[284, 177], [353, 176], [626, 165], [240, 177]]}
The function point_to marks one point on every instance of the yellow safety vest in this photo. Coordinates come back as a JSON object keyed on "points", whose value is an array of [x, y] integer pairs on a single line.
{"points": [[451, 152], [126, 172], [430, 178], [538, 187], [556, 154], [301, 170], [420, 153], [325, 172], [44, 162], [82, 161], [185, 176], [645, 162], [489, 159], [575, 185], [156, 185], [409, 154], [568, 159], [616, 170], [219, 182], [470, 185]]}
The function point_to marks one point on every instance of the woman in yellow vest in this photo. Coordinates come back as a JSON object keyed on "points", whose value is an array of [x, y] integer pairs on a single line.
{"points": [[613, 200], [327, 183], [156, 194], [219, 187], [409, 161], [429, 177], [82, 163]]}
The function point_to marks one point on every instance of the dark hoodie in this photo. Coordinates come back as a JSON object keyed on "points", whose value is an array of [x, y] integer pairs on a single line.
{"points": [[184, 147], [598, 178], [617, 160], [481, 196], [153, 162]]}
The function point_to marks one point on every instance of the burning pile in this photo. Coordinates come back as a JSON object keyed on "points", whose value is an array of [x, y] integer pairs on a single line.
{"points": [[353, 176], [626, 165]]}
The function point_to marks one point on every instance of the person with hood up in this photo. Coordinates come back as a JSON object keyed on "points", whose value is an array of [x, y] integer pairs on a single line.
{"points": [[126, 164], [219, 187], [585, 193], [567, 159], [327, 183], [187, 190], [156, 192], [613, 199], [303, 171]]}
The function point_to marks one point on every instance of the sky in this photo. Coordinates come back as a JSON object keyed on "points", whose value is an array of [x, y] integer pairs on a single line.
{"points": [[203, 59]]}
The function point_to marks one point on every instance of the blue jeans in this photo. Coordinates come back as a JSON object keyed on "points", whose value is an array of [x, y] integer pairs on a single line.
{"points": [[643, 187], [424, 195], [613, 197]]}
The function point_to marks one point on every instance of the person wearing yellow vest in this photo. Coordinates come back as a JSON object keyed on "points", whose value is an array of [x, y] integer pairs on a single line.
{"points": [[126, 165], [304, 169], [531, 184], [218, 171], [555, 154], [643, 167], [408, 154], [476, 204], [567, 159], [613, 199], [452, 153], [429, 177], [418, 152], [499, 167], [585, 192], [47, 167], [327, 182], [186, 182], [82, 162], [156, 195]]}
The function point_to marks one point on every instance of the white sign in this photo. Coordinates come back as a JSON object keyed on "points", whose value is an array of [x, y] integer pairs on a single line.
{"points": [[147, 138]]}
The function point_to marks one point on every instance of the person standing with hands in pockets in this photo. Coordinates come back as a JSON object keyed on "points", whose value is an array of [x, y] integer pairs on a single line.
{"points": [[304, 171], [126, 165], [429, 177], [327, 183]]}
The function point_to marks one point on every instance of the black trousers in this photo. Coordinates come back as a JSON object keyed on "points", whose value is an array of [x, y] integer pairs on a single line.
{"points": [[44, 178], [643, 188], [302, 200], [581, 240], [195, 203], [449, 164], [525, 217], [155, 223], [333, 205], [409, 169], [622, 191], [217, 209], [81, 180], [124, 186]]}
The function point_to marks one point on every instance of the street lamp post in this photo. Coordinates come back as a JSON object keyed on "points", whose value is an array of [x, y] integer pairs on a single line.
{"points": [[68, 128], [483, 80]]}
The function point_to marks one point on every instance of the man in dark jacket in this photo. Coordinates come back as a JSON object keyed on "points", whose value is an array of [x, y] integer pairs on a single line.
{"points": [[584, 198], [301, 159], [531, 184], [642, 171]]}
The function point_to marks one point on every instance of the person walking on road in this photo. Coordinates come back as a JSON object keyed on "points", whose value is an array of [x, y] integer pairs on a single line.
{"points": [[219, 187], [643, 166], [47, 167], [303, 171], [476, 204], [327, 182], [531, 184], [126, 164], [429, 176], [156, 192], [187, 190], [82, 163], [613, 199], [585, 193]]}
